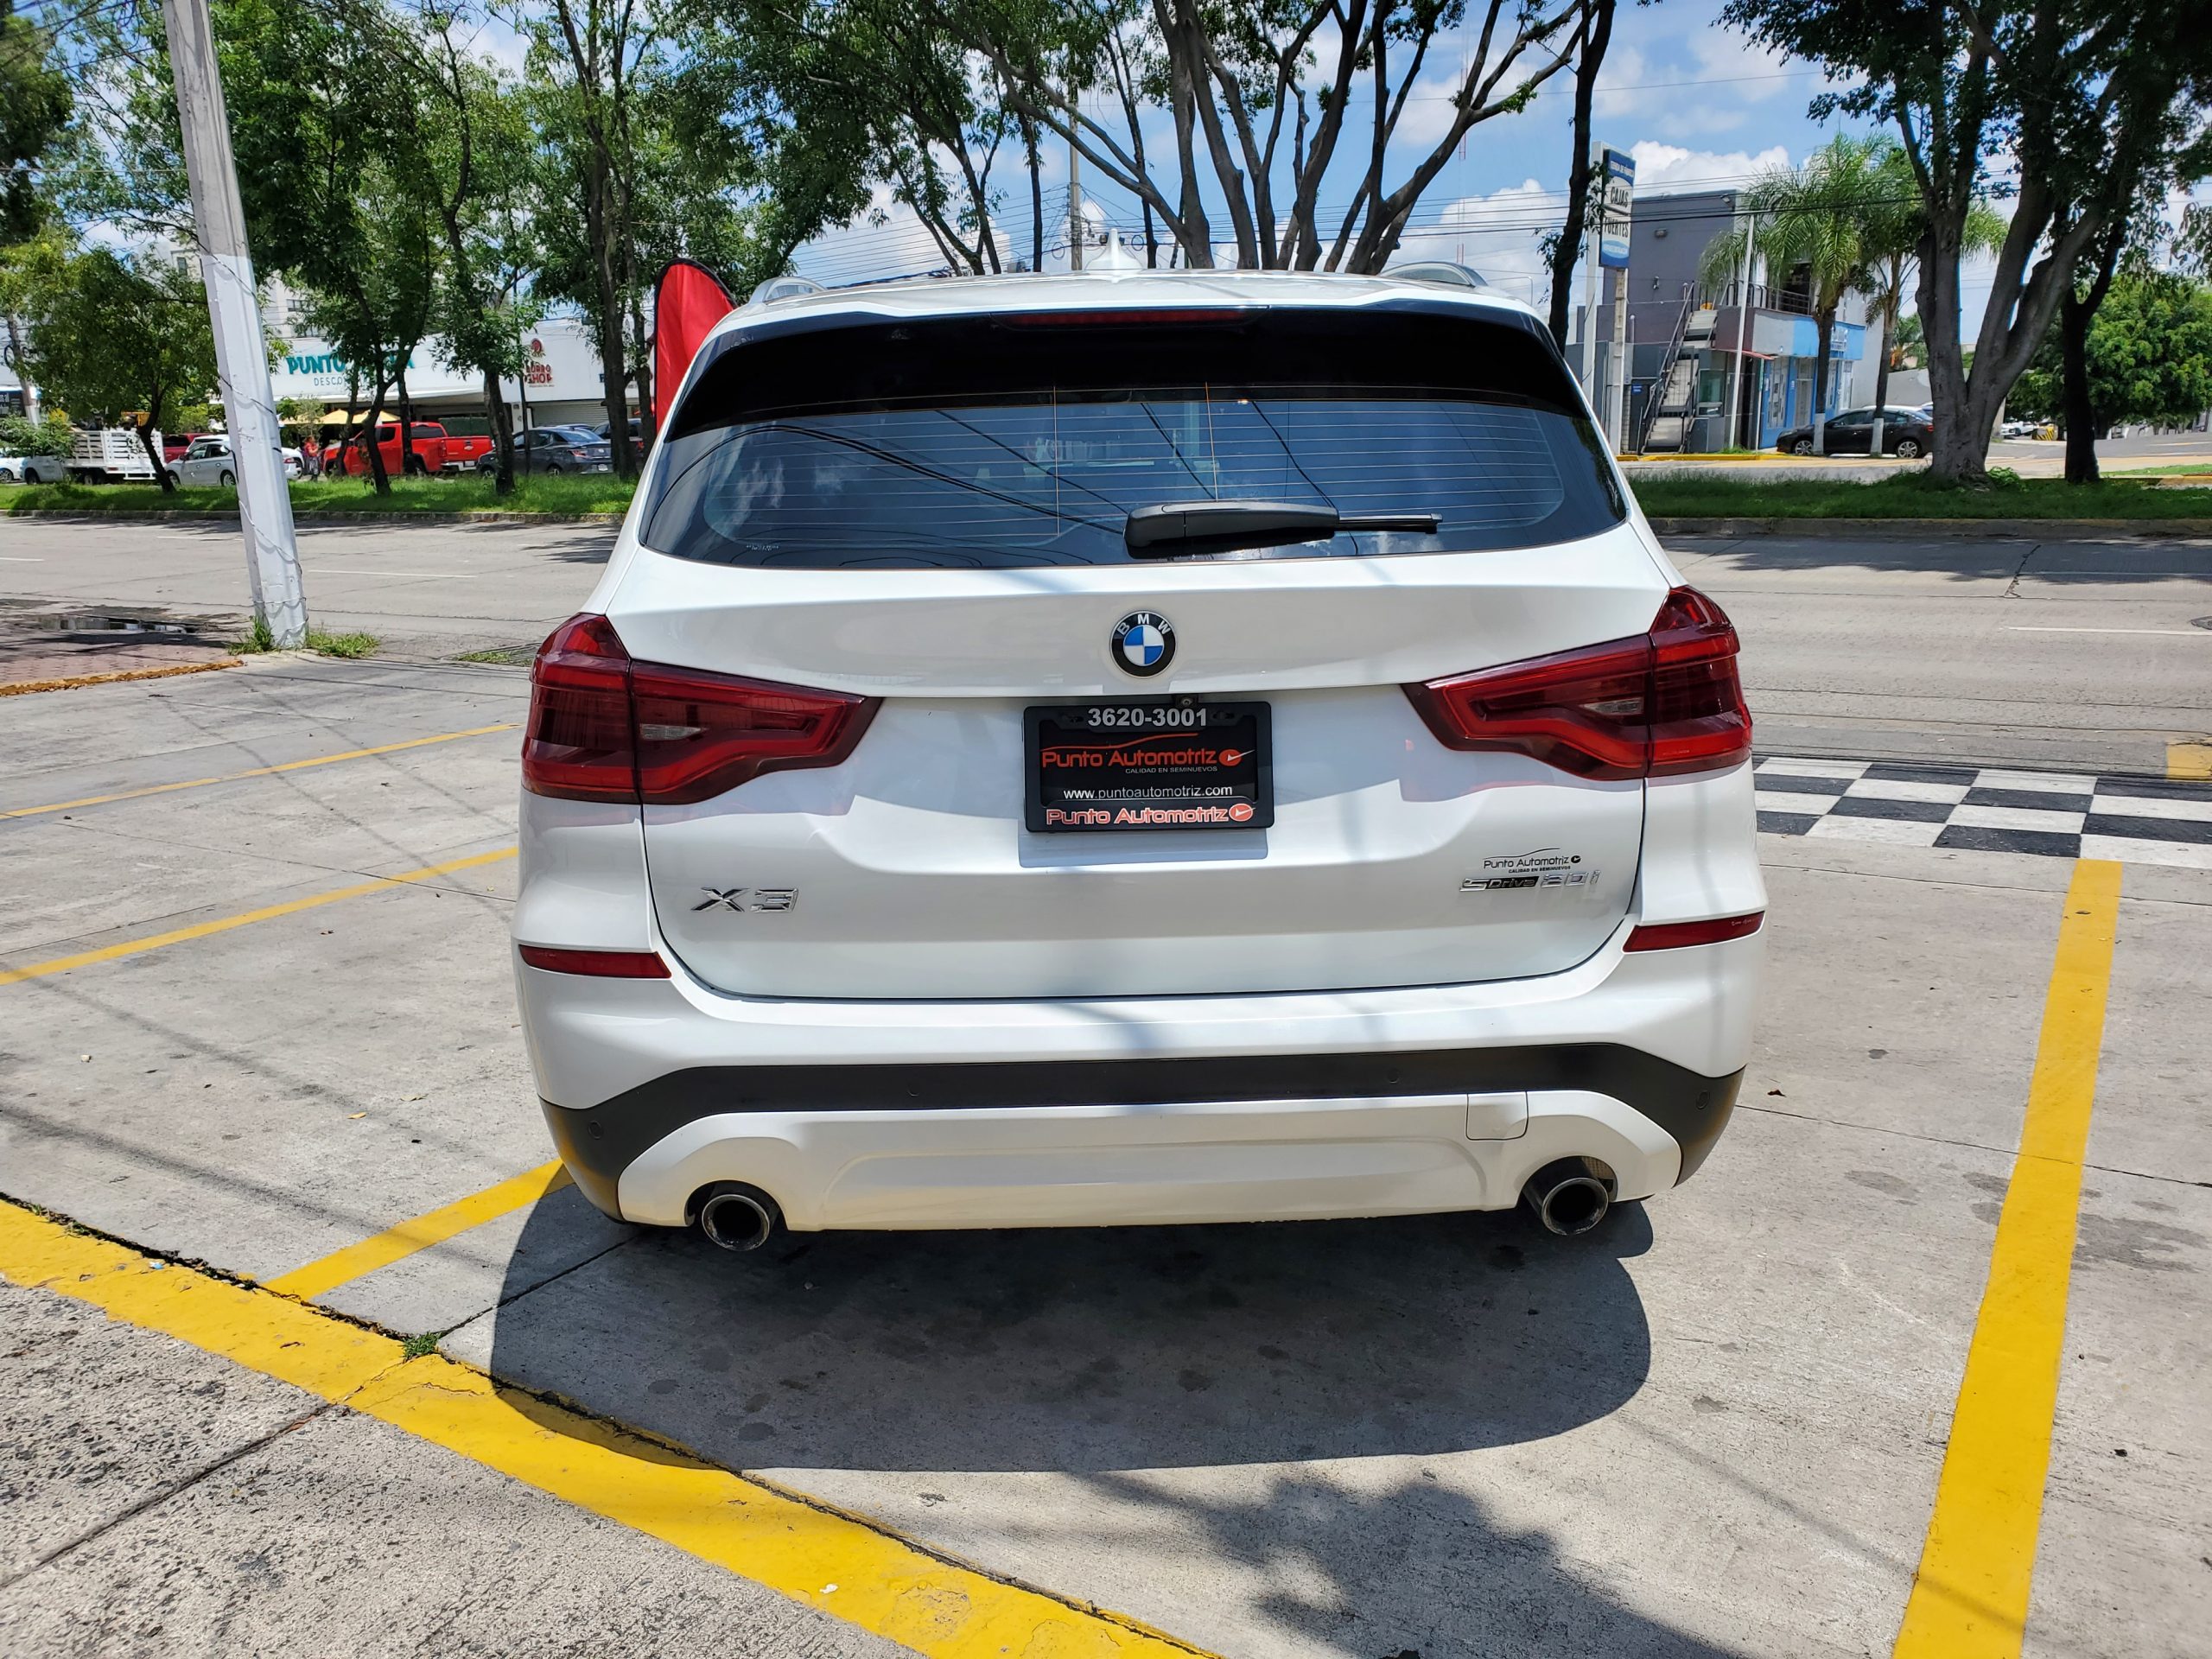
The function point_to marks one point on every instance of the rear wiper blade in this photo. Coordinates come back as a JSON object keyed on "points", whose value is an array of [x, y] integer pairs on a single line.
{"points": [[1176, 527]]}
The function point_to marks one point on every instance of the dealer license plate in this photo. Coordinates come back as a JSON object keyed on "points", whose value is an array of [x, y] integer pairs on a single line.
{"points": [[1162, 764]]}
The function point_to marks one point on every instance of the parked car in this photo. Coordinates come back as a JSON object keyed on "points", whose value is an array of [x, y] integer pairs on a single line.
{"points": [[1269, 773], [209, 461], [1906, 433], [637, 433], [174, 445], [32, 469], [2019, 428], [434, 450], [556, 449]]}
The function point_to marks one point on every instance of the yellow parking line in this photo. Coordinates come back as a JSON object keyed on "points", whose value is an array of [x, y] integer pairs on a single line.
{"points": [[2189, 760], [223, 924], [842, 1566], [1970, 1598], [395, 1243], [257, 772]]}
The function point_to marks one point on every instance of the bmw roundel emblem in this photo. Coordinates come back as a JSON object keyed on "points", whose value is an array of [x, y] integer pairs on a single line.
{"points": [[1144, 643]]}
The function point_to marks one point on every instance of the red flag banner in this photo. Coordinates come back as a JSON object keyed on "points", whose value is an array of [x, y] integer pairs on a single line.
{"points": [[688, 302]]}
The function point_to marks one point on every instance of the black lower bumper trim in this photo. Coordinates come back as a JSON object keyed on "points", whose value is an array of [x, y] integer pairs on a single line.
{"points": [[598, 1142]]}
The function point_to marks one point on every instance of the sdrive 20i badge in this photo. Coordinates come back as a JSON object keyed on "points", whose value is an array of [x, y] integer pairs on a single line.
{"points": [[1540, 867]]}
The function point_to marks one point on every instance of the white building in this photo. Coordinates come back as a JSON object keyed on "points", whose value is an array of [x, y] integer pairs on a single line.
{"points": [[562, 386]]}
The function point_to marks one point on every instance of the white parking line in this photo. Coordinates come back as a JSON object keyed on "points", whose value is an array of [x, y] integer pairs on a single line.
{"points": [[413, 575], [2021, 627]]}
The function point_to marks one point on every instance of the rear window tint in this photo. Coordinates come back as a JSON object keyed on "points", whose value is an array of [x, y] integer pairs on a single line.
{"points": [[996, 443]]}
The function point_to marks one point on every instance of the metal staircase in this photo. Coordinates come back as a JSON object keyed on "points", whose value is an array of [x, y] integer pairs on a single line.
{"points": [[1673, 405]]}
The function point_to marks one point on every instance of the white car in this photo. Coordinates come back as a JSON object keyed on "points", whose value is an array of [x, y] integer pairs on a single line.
{"points": [[1134, 748], [209, 461], [32, 469]]}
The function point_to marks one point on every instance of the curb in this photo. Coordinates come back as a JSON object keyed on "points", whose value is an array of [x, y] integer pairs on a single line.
{"points": [[71, 683], [2011, 530]]}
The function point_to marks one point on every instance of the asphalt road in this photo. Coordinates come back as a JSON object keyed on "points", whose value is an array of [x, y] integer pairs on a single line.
{"points": [[1718, 1427], [2084, 655]]}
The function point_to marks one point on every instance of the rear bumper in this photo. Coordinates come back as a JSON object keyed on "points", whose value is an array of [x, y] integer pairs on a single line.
{"points": [[1141, 1109]]}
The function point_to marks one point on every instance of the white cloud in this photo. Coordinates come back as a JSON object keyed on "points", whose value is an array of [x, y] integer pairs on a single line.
{"points": [[1715, 89], [1499, 234], [1675, 168]]}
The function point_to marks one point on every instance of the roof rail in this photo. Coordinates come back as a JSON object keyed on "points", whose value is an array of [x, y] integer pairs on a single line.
{"points": [[785, 288], [1437, 271]]}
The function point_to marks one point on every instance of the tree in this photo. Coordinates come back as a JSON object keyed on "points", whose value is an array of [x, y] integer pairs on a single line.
{"points": [[1816, 219], [1593, 33], [1239, 79], [20, 435], [2147, 357], [472, 150], [34, 105], [115, 336], [880, 89], [1892, 231], [588, 57], [2078, 96]]}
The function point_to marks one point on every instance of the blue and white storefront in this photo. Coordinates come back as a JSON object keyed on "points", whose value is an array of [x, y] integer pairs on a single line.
{"points": [[1784, 351]]}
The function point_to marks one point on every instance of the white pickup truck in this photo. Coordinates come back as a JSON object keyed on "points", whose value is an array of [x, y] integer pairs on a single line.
{"points": [[111, 454]]}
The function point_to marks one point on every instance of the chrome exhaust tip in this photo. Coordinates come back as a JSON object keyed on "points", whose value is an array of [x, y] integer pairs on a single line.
{"points": [[1570, 1197], [737, 1217]]}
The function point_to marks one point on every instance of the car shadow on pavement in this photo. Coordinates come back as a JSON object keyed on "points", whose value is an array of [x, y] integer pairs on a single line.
{"points": [[1093, 1350]]}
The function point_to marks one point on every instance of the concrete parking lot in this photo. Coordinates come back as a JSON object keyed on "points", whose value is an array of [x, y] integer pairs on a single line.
{"points": [[258, 1021]]}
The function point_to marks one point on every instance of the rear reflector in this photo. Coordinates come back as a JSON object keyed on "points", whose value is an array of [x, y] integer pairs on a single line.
{"points": [[599, 964], [1663, 702], [603, 728], [1673, 936]]}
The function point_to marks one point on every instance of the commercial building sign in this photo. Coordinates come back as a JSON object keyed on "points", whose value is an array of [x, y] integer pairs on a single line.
{"points": [[559, 363], [1616, 200]]}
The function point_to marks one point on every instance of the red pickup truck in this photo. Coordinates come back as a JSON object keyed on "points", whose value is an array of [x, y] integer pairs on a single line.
{"points": [[436, 450]]}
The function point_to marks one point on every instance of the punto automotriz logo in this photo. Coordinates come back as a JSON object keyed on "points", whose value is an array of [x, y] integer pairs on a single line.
{"points": [[1144, 643]]}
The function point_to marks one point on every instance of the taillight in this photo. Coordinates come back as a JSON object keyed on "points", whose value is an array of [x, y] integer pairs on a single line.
{"points": [[1674, 936], [579, 745], [603, 728], [1668, 701]]}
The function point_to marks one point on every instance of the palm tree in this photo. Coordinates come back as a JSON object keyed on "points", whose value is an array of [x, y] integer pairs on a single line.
{"points": [[1893, 226], [1816, 218]]}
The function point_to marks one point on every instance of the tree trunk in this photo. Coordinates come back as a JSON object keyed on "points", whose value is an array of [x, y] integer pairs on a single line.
{"points": [[1882, 381], [1958, 458], [613, 376], [1826, 319], [2073, 314], [407, 461], [1590, 58], [376, 449], [153, 452], [16, 362], [642, 373], [503, 432], [1037, 199]]}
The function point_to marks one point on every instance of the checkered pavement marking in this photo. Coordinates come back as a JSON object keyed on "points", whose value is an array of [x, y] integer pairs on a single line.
{"points": [[1988, 809]]}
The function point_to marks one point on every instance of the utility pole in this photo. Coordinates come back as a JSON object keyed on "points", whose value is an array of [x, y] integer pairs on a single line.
{"points": [[1617, 393], [1590, 308], [1743, 336], [241, 353], [1075, 188]]}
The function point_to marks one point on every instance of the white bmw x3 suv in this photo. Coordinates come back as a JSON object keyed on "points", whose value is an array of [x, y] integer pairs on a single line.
{"points": [[1134, 748]]}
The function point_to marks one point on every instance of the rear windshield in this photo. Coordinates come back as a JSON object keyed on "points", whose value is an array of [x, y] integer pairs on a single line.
{"points": [[1028, 440]]}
